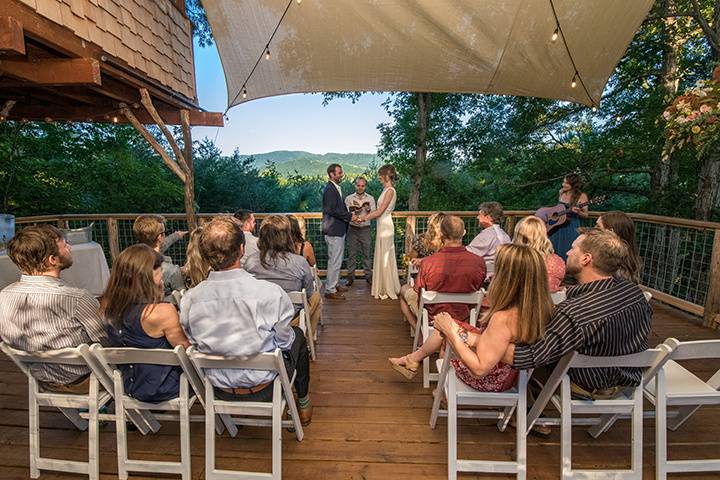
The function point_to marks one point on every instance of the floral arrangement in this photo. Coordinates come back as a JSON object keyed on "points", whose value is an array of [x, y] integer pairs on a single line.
{"points": [[693, 117]]}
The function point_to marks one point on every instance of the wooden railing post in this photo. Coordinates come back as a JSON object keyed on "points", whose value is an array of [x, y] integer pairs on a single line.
{"points": [[712, 301], [410, 221], [113, 237], [62, 223]]}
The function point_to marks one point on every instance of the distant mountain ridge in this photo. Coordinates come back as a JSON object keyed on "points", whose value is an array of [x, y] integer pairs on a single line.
{"points": [[289, 162]]}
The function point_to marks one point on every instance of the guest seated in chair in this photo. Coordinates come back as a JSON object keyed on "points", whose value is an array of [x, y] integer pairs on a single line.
{"points": [[531, 231], [137, 317], [151, 230], [278, 263], [234, 314], [451, 270], [40, 313], [520, 306], [303, 247], [624, 227], [247, 221], [423, 246], [604, 315], [486, 243], [196, 269]]}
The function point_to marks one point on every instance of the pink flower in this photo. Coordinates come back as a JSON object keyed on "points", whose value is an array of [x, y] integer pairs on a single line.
{"points": [[666, 115], [704, 109]]}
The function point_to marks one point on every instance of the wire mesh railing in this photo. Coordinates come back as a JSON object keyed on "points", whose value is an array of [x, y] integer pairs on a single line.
{"points": [[678, 255]]}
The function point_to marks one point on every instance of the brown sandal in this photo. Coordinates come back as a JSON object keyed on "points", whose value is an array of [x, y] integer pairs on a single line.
{"points": [[409, 370]]}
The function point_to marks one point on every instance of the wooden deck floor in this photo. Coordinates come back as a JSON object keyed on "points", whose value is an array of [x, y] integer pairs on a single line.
{"points": [[369, 423]]}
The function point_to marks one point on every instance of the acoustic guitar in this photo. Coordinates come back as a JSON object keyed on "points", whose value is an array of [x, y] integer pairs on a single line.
{"points": [[556, 216]]}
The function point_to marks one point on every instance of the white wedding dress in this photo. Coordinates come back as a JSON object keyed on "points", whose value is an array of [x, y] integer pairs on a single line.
{"points": [[385, 282]]}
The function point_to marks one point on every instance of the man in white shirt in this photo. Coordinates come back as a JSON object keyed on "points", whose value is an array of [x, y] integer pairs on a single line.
{"points": [[358, 235], [486, 243], [247, 220], [234, 314]]}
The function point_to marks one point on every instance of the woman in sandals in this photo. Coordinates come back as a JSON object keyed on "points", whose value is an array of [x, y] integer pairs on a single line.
{"points": [[520, 306]]}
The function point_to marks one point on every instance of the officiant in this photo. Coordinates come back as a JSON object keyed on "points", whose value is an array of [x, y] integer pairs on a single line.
{"points": [[358, 237]]}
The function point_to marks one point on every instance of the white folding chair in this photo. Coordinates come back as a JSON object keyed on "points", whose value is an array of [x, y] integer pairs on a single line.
{"points": [[647, 295], [428, 297], [459, 394], [559, 296], [111, 359], [282, 397], [300, 298], [629, 402], [682, 391], [69, 404]]}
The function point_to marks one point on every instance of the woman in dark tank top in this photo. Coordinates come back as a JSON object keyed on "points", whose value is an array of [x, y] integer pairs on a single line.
{"points": [[137, 317]]}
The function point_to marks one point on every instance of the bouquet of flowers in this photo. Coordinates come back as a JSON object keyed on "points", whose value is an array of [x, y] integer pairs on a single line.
{"points": [[693, 117]]}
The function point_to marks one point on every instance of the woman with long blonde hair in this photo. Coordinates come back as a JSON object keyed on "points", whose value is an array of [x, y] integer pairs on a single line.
{"points": [[196, 269], [136, 316], [531, 231], [520, 306]]}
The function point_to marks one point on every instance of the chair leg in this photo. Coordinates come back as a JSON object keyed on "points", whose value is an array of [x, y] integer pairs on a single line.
{"points": [[521, 436], [277, 433], [637, 433], [426, 372], [452, 427], [566, 430], [33, 428], [120, 428], [209, 430], [93, 433], [660, 427], [185, 456]]}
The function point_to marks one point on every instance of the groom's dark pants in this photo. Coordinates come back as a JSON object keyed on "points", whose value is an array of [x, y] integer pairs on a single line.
{"points": [[359, 238]]}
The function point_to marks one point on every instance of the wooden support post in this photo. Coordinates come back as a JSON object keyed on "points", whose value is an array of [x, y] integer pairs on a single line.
{"points": [[6, 109], [52, 71], [712, 301], [148, 104], [12, 38], [410, 223], [189, 171], [510, 225], [113, 238]]}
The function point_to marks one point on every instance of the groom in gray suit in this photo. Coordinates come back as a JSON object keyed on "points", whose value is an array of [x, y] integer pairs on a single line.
{"points": [[335, 221]]}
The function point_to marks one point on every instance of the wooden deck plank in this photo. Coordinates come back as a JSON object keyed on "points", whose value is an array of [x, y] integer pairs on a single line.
{"points": [[369, 422]]}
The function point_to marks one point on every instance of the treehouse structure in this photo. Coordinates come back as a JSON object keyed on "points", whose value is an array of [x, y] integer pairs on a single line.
{"points": [[103, 61]]}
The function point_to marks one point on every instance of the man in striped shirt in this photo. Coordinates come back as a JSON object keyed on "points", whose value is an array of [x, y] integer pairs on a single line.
{"points": [[41, 313], [603, 315]]}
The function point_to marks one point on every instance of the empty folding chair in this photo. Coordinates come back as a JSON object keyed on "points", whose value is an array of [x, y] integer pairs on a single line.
{"points": [[300, 298], [70, 404], [427, 297], [282, 397], [681, 392], [459, 394], [628, 402], [111, 359]]}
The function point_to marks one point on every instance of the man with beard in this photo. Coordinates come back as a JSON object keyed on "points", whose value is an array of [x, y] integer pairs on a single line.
{"points": [[604, 315], [40, 312]]}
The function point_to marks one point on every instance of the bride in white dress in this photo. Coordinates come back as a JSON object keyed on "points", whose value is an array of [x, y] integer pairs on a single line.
{"points": [[385, 282]]}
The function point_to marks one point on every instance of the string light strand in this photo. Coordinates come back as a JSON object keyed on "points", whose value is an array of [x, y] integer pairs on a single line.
{"points": [[264, 53], [576, 76]]}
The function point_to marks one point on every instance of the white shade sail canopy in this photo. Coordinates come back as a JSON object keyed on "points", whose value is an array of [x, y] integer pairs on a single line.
{"points": [[482, 46]]}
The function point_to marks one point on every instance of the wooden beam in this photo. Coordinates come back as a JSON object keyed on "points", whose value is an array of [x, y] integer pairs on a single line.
{"points": [[12, 39], [147, 103], [190, 172], [7, 107], [104, 115], [71, 71], [154, 144]]}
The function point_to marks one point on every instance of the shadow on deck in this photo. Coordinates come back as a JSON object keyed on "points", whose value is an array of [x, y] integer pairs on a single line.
{"points": [[369, 423]]}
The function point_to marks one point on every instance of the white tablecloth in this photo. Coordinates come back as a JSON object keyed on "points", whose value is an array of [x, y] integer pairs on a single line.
{"points": [[89, 270]]}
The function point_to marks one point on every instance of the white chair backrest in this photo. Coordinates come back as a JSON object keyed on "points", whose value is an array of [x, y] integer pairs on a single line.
{"points": [[128, 355], [649, 358], [559, 296], [299, 298], [694, 349], [647, 295], [63, 356], [430, 297], [261, 361]]}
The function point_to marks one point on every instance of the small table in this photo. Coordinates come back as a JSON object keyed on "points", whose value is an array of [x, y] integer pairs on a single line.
{"points": [[89, 269]]}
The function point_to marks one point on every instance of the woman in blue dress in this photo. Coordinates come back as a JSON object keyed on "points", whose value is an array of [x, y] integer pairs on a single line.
{"points": [[570, 195], [137, 317]]}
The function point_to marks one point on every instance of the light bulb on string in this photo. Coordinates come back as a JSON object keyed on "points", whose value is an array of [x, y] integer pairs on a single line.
{"points": [[115, 119], [555, 34], [244, 92], [267, 53], [573, 84], [299, 2], [594, 109]]}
